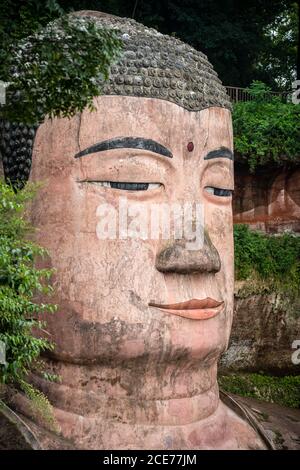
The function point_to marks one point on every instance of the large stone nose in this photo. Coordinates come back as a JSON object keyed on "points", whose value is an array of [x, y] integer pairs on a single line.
{"points": [[176, 258]]}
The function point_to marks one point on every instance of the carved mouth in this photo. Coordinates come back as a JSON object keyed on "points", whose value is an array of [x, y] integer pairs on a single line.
{"points": [[193, 309]]}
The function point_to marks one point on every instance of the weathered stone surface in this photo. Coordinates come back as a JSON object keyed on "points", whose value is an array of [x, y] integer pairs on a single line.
{"points": [[268, 200], [132, 374], [264, 328], [280, 424]]}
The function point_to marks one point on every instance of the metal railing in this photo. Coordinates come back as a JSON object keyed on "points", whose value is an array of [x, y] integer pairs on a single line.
{"points": [[237, 94]]}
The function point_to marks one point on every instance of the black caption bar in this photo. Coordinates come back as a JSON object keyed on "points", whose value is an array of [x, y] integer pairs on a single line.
{"points": [[136, 459]]}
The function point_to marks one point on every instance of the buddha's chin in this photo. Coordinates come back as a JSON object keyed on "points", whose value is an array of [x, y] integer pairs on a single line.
{"points": [[141, 350], [162, 338]]}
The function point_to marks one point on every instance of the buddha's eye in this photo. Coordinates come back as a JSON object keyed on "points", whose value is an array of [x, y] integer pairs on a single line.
{"points": [[218, 191], [127, 186]]}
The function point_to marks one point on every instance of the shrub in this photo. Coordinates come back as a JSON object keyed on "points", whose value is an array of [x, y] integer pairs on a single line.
{"points": [[266, 130], [269, 258], [284, 391], [20, 281]]}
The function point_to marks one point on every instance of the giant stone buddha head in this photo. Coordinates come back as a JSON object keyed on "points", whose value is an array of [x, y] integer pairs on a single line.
{"points": [[142, 320]]}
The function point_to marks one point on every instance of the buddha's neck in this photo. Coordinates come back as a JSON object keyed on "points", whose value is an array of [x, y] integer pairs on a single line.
{"points": [[159, 394], [98, 408]]}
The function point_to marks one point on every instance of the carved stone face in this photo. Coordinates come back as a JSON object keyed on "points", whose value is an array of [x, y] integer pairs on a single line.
{"points": [[103, 287]]}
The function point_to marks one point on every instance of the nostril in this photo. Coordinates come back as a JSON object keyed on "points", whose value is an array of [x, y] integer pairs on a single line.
{"points": [[169, 254]]}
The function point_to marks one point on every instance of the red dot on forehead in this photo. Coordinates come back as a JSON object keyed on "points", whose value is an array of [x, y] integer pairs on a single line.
{"points": [[190, 146]]}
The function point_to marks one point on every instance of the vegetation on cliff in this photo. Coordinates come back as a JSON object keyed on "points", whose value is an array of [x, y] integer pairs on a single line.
{"points": [[266, 129], [271, 261], [284, 391], [20, 313]]}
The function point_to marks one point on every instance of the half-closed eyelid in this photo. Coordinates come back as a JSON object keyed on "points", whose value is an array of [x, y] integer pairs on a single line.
{"points": [[127, 186], [220, 192]]}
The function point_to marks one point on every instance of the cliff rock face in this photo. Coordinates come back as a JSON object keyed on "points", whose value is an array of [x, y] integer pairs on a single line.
{"points": [[268, 200], [264, 329], [265, 325]]}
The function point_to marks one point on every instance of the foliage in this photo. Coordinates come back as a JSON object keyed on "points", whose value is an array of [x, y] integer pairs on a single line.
{"points": [[40, 405], [274, 260], [277, 58], [19, 282], [21, 18], [266, 129], [58, 70], [282, 390], [245, 41], [232, 34]]}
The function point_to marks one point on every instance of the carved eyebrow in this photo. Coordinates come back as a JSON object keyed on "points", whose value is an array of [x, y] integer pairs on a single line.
{"points": [[222, 152], [127, 143]]}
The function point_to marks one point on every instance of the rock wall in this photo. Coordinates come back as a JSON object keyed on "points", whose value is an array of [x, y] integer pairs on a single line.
{"points": [[264, 328], [268, 200], [265, 325]]}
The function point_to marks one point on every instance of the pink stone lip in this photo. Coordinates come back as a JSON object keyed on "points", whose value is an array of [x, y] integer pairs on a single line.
{"points": [[193, 309]]}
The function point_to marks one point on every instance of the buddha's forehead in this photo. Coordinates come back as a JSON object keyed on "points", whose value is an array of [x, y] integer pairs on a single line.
{"points": [[118, 120], [163, 121]]}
